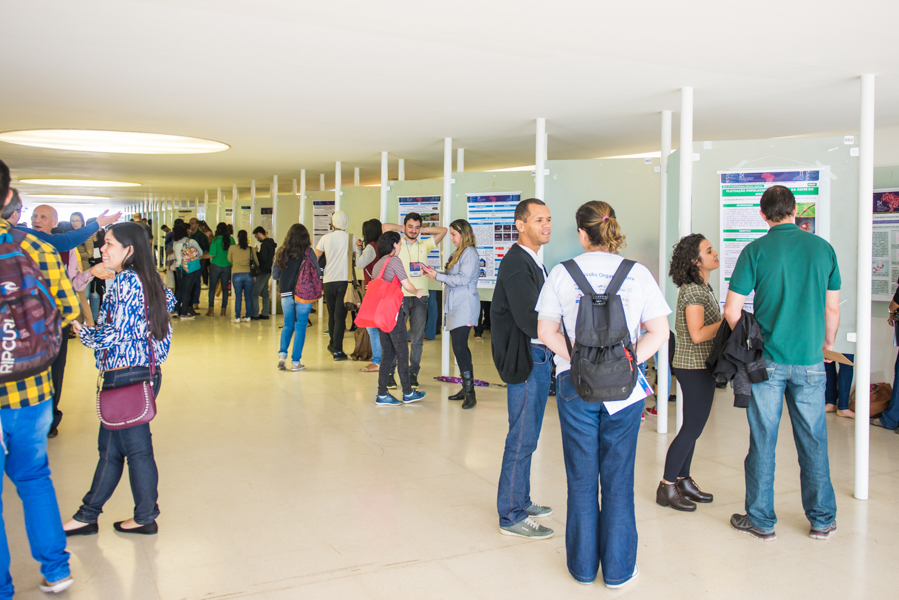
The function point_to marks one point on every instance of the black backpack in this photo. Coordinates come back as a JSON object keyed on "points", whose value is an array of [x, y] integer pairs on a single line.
{"points": [[603, 361]]}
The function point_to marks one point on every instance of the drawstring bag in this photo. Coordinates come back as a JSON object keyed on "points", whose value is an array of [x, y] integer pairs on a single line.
{"points": [[381, 305]]}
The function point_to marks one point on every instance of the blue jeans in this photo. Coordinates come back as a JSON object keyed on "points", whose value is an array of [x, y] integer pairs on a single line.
{"points": [[890, 417], [839, 383], [26, 465], [599, 446], [296, 317], [804, 390], [243, 288], [527, 403], [219, 275], [375, 345], [134, 444], [260, 288], [434, 310]]}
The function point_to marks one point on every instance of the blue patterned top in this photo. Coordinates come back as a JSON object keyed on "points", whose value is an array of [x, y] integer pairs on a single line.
{"points": [[123, 341]]}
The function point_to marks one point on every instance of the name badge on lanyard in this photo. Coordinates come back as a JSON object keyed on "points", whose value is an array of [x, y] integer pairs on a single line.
{"points": [[414, 267]]}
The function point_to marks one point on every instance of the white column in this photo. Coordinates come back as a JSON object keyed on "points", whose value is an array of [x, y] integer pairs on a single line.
{"points": [[321, 182], [206, 207], [235, 209], [252, 205], [356, 176], [274, 197], [460, 160], [446, 209], [302, 194], [402, 172], [662, 391], [863, 293], [539, 169], [685, 195], [383, 187], [218, 208], [337, 186]]}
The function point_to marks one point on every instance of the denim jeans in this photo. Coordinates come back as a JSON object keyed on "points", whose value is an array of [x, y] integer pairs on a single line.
{"points": [[526, 403], [95, 299], [416, 310], [219, 275], [260, 288], [24, 459], [839, 383], [133, 443], [804, 390], [599, 446], [375, 345], [433, 312], [188, 282], [243, 286], [890, 417], [296, 316]]}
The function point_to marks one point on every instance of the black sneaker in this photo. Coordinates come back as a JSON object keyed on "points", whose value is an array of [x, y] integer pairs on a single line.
{"points": [[263, 317], [391, 382], [330, 348], [413, 379], [340, 356], [741, 523]]}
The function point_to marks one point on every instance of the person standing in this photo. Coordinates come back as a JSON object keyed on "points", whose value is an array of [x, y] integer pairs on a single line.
{"points": [[599, 439], [462, 302], [524, 363], [796, 280], [242, 281], [295, 252], [143, 223], [220, 269], [889, 419], [697, 320], [187, 270], [336, 247], [266, 255], [25, 416], [371, 232], [85, 253], [414, 255], [202, 241]]}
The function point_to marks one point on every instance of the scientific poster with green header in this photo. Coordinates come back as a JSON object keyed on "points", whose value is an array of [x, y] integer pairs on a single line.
{"points": [[741, 223], [885, 247]]}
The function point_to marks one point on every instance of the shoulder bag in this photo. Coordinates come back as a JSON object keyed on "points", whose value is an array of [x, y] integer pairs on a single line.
{"points": [[381, 304], [352, 299], [254, 266]]}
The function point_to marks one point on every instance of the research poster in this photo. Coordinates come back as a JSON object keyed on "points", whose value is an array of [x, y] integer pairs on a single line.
{"points": [[429, 209], [266, 218], [492, 217], [741, 223], [322, 211], [885, 256]]}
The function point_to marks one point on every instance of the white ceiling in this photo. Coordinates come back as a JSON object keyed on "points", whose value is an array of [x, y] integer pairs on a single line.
{"points": [[292, 84]]}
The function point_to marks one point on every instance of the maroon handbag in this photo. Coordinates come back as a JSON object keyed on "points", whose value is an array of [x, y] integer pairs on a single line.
{"points": [[130, 405]]}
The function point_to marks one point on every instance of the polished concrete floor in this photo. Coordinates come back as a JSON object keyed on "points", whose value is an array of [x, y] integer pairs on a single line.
{"points": [[280, 485]]}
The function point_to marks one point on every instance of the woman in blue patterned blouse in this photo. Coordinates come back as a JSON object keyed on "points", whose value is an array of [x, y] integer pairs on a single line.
{"points": [[134, 314]]}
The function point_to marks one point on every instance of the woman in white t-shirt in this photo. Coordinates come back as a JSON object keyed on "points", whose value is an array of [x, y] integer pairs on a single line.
{"points": [[599, 440]]}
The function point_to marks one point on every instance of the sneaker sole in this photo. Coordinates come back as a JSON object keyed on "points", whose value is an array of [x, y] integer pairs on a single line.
{"points": [[821, 535], [387, 404], [541, 515], [404, 401], [527, 537], [615, 586], [755, 535]]}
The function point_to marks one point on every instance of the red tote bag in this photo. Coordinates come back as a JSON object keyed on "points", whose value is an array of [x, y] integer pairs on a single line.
{"points": [[381, 303]]}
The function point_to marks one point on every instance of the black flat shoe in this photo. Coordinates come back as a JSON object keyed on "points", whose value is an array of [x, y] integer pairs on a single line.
{"points": [[692, 492], [86, 529], [148, 529], [670, 495], [460, 395]]}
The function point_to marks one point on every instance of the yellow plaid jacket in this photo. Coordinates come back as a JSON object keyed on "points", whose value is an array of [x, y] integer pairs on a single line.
{"points": [[32, 390]]}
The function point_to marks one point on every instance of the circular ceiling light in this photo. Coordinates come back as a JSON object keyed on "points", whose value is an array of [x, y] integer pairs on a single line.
{"points": [[124, 142], [67, 196], [79, 182]]}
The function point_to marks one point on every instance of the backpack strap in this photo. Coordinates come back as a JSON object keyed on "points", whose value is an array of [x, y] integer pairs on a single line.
{"points": [[579, 279], [620, 275]]}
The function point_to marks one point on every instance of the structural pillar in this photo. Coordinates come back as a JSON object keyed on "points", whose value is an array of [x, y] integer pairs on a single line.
{"points": [[274, 196], [446, 210], [685, 195], [337, 186], [302, 194], [662, 371], [383, 187], [401, 176], [540, 157]]}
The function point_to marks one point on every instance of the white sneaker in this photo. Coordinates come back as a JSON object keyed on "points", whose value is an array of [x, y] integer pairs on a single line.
{"points": [[246, 319], [235, 320], [56, 588], [282, 361], [297, 367], [625, 582]]}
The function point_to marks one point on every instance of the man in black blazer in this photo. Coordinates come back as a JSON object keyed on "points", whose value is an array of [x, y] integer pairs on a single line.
{"points": [[525, 364]]}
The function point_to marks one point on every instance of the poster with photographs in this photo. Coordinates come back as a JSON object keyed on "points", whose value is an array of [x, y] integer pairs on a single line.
{"points": [[492, 217], [885, 256], [322, 211], [429, 209]]}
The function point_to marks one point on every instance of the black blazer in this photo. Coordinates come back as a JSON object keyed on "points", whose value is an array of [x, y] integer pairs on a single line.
{"points": [[513, 320]]}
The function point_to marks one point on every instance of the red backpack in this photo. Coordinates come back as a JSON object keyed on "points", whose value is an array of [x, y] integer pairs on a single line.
{"points": [[29, 320], [309, 280]]}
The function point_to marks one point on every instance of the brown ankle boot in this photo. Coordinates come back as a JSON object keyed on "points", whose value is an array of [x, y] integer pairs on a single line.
{"points": [[224, 312], [210, 312], [670, 495]]}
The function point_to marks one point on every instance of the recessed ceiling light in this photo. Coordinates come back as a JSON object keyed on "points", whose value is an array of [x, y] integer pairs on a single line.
{"points": [[67, 196], [125, 142], [79, 182]]}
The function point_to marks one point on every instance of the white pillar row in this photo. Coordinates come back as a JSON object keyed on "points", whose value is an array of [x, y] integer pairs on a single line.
{"points": [[302, 195], [662, 373], [321, 182], [218, 208], [863, 297], [446, 209], [540, 155], [401, 176], [356, 176], [337, 191], [460, 160], [206, 206], [252, 204], [235, 209], [685, 196], [384, 176], [274, 197]]}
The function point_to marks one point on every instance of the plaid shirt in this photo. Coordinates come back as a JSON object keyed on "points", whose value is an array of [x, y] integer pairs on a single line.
{"points": [[32, 390]]}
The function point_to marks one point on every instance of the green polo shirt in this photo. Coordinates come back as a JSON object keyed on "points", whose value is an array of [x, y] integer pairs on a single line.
{"points": [[791, 272]]}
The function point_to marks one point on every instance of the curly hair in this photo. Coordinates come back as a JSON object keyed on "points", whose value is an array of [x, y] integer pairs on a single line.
{"points": [[683, 267]]}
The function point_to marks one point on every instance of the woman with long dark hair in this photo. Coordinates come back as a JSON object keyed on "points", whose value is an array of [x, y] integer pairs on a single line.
{"points": [[220, 267], [462, 303], [240, 257], [396, 342], [294, 252], [371, 232], [133, 329], [697, 320]]}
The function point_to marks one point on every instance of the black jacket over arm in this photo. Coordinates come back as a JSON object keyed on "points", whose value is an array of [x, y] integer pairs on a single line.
{"points": [[513, 320]]}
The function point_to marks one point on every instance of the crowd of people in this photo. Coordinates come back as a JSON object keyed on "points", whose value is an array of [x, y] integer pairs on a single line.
{"points": [[541, 322]]}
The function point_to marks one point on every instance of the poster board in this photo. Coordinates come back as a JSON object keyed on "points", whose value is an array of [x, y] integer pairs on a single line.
{"points": [[492, 217], [429, 209], [266, 220], [741, 224], [322, 211], [885, 256]]}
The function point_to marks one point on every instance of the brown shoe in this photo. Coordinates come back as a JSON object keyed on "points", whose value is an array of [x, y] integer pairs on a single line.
{"points": [[691, 491], [669, 495], [210, 312], [224, 312]]}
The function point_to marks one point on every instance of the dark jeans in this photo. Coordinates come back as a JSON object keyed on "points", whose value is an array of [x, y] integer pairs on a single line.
{"points": [[334, 293], [416, 310], [186, 286], [483, 318], [459, 337], [57, 372], [260, 288], [395, 351], [699, 392], [202, 276], [133, 443], [890, 417], [839, 383], [527, 403], [600, 451], [219, 275]]}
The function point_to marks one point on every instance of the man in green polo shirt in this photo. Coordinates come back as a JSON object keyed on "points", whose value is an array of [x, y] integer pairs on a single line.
{"points": [[414, 253], [796, 281]]}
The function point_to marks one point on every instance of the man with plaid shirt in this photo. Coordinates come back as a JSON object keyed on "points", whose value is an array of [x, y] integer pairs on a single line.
{"points": [[25, 414]]}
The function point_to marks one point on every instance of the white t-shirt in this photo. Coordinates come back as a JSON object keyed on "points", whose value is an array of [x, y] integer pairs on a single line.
{"points": [[334, 245], [640, 295]]}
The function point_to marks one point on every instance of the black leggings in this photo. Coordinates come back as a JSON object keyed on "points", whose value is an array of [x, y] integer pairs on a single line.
{"points": [[395, 347], [459, 337], [699, 391]]}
